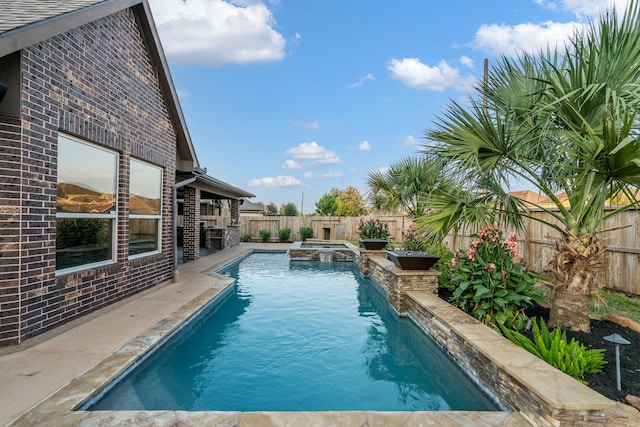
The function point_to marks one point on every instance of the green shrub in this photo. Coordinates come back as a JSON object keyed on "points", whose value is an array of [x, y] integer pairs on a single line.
{"points": [[306, 233], [570, 357], [284, 234], [246, 237], [443, 266], [491, 283], [265, 235]]}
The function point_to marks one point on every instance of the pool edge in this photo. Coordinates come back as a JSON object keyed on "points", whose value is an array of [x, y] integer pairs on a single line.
{"points": [[61, 406]]}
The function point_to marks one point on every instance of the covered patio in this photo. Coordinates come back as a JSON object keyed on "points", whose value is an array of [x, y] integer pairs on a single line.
{"points": [[206, 214]]}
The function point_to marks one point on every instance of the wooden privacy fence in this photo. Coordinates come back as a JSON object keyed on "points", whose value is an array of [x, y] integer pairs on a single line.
{"points": [[324, 227], [620, 234]]}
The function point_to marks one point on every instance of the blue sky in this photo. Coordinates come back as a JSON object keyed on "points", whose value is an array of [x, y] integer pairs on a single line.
{"points": [[288, 99]]}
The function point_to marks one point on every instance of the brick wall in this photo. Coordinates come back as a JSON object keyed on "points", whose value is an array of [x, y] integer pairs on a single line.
{"points": [[191, 233], [96, 82], [10, 197]]}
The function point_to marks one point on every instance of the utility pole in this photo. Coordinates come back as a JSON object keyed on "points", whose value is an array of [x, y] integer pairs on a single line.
{"points": [[485, 80], [302, 205]]}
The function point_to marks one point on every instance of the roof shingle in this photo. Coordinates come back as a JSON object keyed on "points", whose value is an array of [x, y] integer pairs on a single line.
{"points": [[18, 13]]}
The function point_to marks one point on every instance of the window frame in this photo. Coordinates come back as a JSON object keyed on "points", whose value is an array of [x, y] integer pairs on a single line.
{"points": [[112, 215], [157, 216]]}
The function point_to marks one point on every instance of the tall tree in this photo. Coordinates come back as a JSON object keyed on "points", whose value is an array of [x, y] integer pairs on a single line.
{"points": [[271, 209], [289, 209], [327, 204], [350, 202], [563, 121]]}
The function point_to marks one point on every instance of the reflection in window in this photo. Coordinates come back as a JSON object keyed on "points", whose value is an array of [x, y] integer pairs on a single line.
{"points": [[145, 208], [86, 178], [86, 204], [82, 241]]}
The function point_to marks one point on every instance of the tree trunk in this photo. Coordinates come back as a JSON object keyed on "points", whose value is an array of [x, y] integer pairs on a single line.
{"points": [[574, 269], [570, 311]]}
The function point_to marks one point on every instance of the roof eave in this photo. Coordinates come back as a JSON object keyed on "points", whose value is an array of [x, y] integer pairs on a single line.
{"points": [[27, 35], [33, 33], [211, 184], [186, 158]]}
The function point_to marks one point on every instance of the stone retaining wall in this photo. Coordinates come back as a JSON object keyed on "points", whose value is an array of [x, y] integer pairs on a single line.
{"points": [[526, 384], [520, 381], [394, 281]]}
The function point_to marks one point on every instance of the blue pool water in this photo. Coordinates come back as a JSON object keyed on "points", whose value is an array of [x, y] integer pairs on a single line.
{"points": [[297, 336]]}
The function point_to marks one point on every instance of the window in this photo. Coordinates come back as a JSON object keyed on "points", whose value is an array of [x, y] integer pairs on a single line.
{"points": [[86, 204], [145, 208]]}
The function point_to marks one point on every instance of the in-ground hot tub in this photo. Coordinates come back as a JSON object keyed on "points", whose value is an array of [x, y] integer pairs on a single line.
{"points": [[323, 250]]}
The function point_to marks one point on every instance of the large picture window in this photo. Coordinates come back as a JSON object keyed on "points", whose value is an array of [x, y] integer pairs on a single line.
{"points": [[86, 204], [145, 208]]}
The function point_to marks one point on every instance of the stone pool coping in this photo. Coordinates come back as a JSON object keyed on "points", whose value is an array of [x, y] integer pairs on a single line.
{"points": [[59, 408], [541, 392]]}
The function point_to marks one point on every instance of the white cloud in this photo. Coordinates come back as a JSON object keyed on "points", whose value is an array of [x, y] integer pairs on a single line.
{"points": [[313, 153], [413, 73], [552, 5], [382, 169], [277, 182], [291, 164], [297, 39], [466, 61], [331, 174], [215, 32], [364, 146], [361, 81], [411, 141], [588, 8], [513, 40], [510, 40], [313, 125]]}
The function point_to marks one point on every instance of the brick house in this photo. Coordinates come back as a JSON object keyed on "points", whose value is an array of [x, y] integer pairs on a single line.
{"points": [[94, 152]]}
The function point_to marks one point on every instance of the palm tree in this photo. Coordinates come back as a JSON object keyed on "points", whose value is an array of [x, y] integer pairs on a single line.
{"points": [[425, 187], [562, 121], [404, 184]]}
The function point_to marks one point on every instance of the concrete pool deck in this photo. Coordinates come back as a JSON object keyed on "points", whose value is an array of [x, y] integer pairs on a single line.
{"points": [[50, 361], [60, 363]]}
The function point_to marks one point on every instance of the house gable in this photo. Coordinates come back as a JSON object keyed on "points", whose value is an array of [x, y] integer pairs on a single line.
{"points": [[98, 83], [89, 76], [46, 19]]}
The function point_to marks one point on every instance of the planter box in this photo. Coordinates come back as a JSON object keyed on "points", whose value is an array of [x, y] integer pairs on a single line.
{"points": [[373, 244], [408, 260]]}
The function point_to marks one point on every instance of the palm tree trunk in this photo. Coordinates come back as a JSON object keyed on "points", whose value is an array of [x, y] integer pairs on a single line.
{"points": [[570, 311], [574, 269]]}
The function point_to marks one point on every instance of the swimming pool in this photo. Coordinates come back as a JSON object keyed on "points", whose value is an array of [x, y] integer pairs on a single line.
{"points": [[297, 336]]}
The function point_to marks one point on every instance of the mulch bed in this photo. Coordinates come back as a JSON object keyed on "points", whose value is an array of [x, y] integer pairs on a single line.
{"points": [[605, 381]]}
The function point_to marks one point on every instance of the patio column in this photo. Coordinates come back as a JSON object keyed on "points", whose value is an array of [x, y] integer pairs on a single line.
{"points": [[191, 224], [233, 231], [235, 211]]}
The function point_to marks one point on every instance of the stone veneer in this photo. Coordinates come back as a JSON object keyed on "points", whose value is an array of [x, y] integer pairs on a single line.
{"points": [[232, 236], [541, 393], [394, 281]]}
